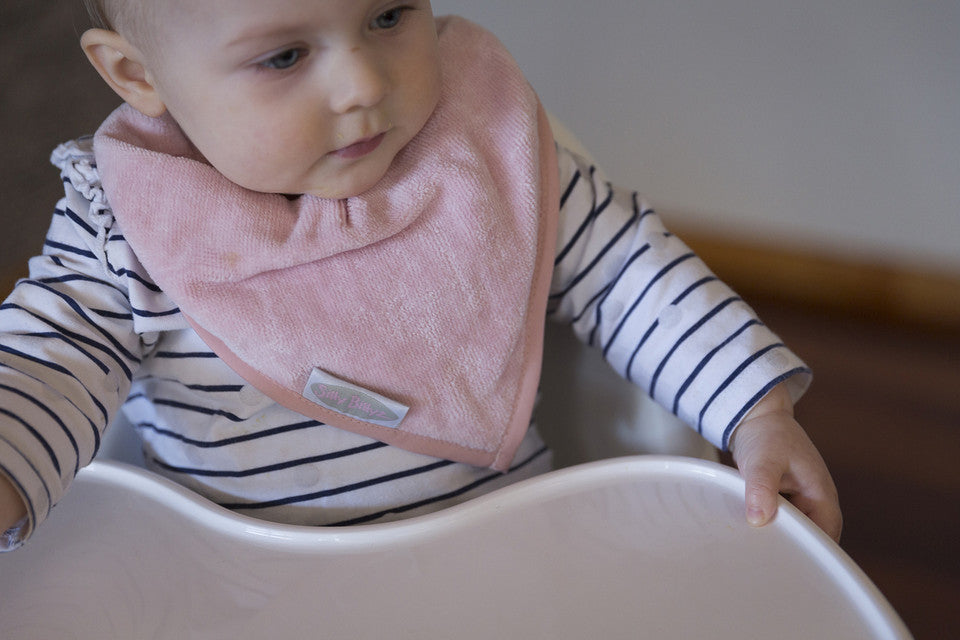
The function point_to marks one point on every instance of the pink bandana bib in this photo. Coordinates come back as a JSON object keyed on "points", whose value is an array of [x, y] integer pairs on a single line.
{"points": [[412, 313]]}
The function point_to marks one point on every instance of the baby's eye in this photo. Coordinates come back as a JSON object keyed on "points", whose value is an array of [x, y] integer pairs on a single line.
{"points": [[284, 59], [389, 19]]}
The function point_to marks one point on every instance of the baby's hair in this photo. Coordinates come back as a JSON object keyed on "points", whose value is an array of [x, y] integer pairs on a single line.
{"points": [[97, 11], [127, 17]]}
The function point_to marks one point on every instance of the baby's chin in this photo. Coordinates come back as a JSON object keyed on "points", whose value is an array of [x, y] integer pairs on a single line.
{"points": [[344, 191], [327, 192], [331, 185], [333, 193]]}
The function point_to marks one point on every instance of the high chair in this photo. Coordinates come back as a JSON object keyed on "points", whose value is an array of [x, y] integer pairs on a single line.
{"points": [[652, 546], [643, 546]]}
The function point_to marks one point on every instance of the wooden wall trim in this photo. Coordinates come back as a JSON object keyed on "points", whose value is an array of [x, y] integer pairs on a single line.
{"points": [[896, 293]]}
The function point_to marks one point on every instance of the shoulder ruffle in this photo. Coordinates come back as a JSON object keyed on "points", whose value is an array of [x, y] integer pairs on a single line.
{"points": [[85, 197], [78, 168]]}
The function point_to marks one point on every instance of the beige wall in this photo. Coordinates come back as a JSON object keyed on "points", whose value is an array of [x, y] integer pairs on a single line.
{"points": [[826, 123]]}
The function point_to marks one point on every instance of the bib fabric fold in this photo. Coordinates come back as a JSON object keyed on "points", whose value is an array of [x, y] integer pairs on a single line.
{"points": [[412, 313]]}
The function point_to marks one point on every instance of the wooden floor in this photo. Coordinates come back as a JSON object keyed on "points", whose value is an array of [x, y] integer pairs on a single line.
{"points": [[884, 410]]}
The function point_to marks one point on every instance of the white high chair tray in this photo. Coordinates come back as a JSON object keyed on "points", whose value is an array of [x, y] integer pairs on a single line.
{"points": [[648, 547]]}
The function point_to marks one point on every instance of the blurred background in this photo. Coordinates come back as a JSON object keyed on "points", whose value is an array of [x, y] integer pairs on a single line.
{"points": [[810, 152]]}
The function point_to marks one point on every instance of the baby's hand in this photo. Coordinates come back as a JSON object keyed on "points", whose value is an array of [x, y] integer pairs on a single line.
{"points": [[775, 455], [12, 508]]}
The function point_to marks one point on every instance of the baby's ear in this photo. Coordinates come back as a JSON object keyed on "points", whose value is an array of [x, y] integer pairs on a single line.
{"points": [[121, 65]]}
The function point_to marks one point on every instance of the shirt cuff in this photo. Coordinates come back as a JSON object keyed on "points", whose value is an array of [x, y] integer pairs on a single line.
{"points": [[15, 536], [780, 365]]}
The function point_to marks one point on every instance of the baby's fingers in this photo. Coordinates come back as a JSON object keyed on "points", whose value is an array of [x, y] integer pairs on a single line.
{"points": [[819, 503], [764, 483], [808, 487], [762, 490]]}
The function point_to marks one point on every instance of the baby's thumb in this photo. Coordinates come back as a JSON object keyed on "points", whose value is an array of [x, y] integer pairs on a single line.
{"points": [[761, 495]]}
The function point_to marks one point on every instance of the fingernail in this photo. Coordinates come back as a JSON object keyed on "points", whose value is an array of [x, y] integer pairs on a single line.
{"points": [[755, 516]]}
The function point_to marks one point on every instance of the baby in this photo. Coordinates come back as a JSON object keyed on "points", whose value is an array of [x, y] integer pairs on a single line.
{"points": [[310, 260]]}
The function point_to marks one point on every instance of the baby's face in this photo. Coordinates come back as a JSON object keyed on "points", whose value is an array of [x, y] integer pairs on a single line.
{"points": [[297, 96]]}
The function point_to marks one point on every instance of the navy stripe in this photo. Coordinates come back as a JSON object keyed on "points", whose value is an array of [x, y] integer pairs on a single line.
{"points": [[67, 248], [587, 223], [141, 313], [36, 435], [73, 277], [113, 315], [706, 359], [594, 211], [693, 287], [64, 333], [637, 302], [326, 493], [609, 289], [53, 416], [440, 498], [61, 370], [54, 335], [69, 213], [754, 400], [606, 288], [279, 466], [216, 388], [628, 371], [192, 408], [566, 194], [733, 376], [593, 263], [81, 313], [637, 213], [692, 330], [185, 354], [210, 444], [133, 275], [23, 491]]}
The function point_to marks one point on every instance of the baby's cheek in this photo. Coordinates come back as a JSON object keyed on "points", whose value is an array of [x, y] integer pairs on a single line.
{"points": [[265, 162]]}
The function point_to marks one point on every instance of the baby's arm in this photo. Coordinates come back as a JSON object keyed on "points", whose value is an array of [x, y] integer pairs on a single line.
{"points": [[665, 322], [69, 352], [774, 456]]}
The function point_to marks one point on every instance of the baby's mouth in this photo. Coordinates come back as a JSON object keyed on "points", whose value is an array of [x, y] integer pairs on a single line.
{"points": [[359, 148]]}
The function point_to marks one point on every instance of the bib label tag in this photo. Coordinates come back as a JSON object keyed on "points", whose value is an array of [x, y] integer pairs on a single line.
{"points": [[350, 400]]}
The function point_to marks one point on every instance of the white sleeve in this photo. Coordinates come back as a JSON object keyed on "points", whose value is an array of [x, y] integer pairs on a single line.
{"points": [[67, 354], [662, 320]]}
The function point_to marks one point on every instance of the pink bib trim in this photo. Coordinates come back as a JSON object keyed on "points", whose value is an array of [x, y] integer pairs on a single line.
{"points": [[429, 290]]}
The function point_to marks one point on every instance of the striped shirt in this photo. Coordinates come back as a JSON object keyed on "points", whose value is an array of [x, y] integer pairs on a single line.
{"points": [[89, 334]]}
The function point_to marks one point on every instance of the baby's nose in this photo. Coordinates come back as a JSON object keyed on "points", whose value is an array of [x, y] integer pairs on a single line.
{"points": [[361, 81]]}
